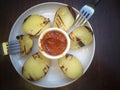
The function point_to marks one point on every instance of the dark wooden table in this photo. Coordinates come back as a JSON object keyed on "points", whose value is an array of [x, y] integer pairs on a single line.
{"points": [[103, 73]]}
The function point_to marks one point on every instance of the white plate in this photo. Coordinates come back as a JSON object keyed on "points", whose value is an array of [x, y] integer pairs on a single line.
{"points": [[54, 77]]}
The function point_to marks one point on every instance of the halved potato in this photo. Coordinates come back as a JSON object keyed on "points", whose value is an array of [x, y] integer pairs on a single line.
{"points": [[35, 24], [81, 36], [70, 66], [35, 67], [64, 18], [26, 44]]}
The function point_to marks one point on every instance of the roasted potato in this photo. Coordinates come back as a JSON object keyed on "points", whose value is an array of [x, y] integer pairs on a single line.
{"points": [[70, 66], [26, 44], [64, 18], [81, 36], [35, 67], [35, 24]]}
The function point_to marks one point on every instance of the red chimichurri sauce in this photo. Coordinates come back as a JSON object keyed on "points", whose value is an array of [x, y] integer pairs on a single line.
{"points": [[54, 43]]}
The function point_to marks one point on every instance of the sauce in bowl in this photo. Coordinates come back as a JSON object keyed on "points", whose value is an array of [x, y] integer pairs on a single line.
{"points": [[54, 43]]}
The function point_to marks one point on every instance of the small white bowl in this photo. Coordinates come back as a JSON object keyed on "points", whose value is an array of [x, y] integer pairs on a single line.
{"points": [[54, 56]]}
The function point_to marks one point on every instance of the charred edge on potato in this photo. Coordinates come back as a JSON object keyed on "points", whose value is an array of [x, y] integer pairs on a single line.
{"points": [[30, 78], [72, 12], [89, 29], [69, 56], [22, 69], [81, 43], [26, 19], [19, 37]]}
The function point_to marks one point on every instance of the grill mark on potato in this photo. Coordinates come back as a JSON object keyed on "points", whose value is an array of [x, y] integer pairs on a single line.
{"points": [[42, 25], [72, 11], [37, 33], [77, 39], [62, 68], [45, 70], [68, 56], [58, 21], [46, 21], [81, 43], [61, 20], [89, 29], [57, 25], [72, 36], [35, 56]]}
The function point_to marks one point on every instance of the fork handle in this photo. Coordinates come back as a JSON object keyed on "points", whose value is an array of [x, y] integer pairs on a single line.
{"points": [[94, 3]]}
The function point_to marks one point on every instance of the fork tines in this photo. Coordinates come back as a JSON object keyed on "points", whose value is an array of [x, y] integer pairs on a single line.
{"points": [[85, 14], [80, 20], [13, 47]]}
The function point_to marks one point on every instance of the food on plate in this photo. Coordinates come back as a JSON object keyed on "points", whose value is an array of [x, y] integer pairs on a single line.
{"points": [[35, 24], [81, 36], [26, 44], [64, 18], [70, 66], [35, 67]]}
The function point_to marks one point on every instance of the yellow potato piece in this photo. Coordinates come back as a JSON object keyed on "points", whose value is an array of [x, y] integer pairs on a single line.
{"points": [[81, 36], [70, 66], [64, 18], [35, 67], [35, 24]]}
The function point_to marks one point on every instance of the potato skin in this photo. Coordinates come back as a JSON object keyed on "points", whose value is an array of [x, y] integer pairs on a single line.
{"points": [[70, 66], [35, 67], [35, 24], [64, 18]]}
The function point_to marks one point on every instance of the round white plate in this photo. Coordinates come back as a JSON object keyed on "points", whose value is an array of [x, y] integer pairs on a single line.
{"points": [[54, 77]]}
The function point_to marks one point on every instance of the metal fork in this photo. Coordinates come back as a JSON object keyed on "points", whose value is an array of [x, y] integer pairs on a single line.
{"points": [[86, 13], [11, 47]]}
